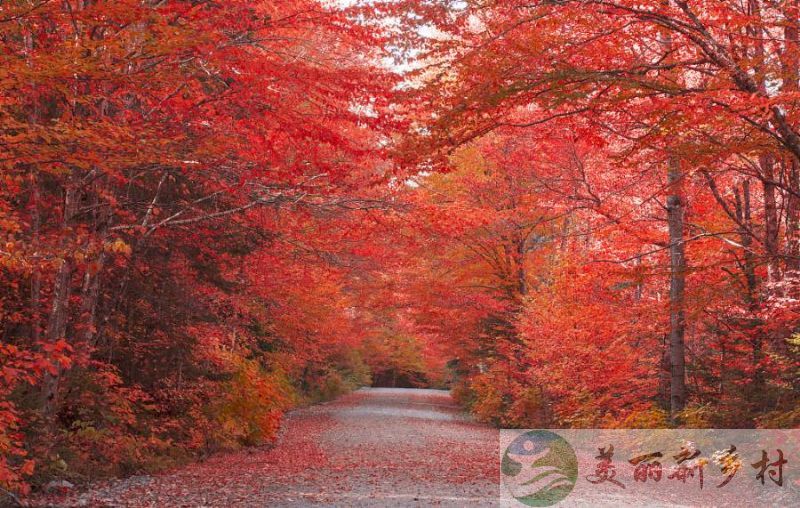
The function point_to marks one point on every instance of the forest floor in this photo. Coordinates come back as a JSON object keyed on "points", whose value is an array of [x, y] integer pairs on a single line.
{"points": [[373, 447]]}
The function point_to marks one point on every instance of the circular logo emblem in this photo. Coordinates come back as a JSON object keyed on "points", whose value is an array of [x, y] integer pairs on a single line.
{"points": [[539, 468]]}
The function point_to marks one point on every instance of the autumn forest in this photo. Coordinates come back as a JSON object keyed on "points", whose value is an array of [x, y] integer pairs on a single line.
{"points": [[569, 213]]}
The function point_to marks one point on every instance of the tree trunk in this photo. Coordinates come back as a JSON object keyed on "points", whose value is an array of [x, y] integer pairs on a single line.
{"points": [[790, 62], [793, 217], [90, 293], [36, 273], [677, 287], [522, 283], [664, 374], [744, 218], [677, 264], [86, 329], [766, 161], [770, 217], [57, 322]]}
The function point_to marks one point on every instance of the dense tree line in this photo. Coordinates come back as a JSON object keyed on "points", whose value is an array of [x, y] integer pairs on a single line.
{"points": [[183, 197], [616, 230]]}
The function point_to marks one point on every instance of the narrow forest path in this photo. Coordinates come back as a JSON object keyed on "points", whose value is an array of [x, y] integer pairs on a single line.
{"points": [[374, 447]]}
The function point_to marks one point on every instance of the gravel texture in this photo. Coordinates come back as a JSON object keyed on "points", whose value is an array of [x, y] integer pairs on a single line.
{"points": [[374, 447]]}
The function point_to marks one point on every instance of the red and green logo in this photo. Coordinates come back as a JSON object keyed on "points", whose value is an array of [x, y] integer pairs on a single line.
{"points": [[539, 468]]}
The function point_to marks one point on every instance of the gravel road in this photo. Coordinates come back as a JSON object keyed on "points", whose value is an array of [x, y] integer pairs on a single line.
{"points": [[374, 447]]}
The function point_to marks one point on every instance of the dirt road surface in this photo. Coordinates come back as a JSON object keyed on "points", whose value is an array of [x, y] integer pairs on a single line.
{"points": [[374, 447]]}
